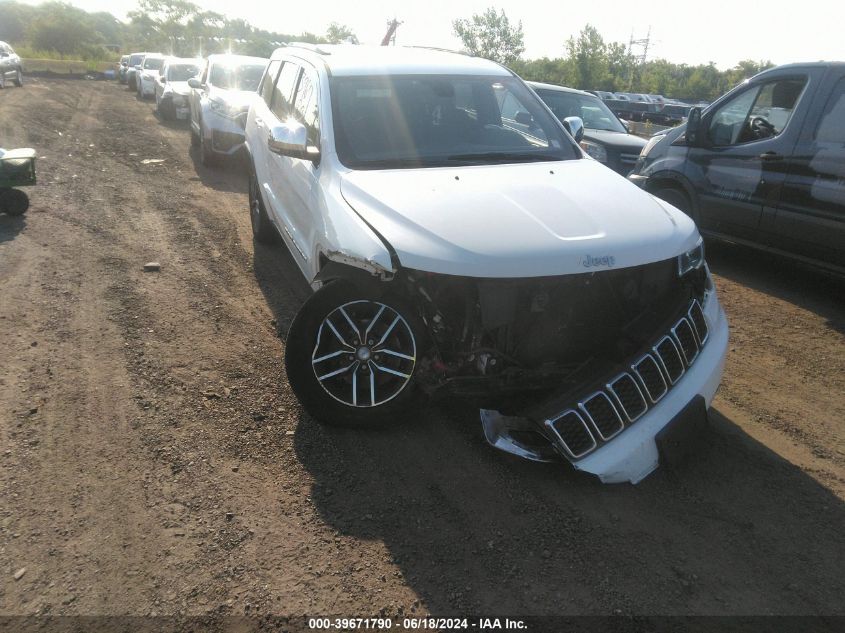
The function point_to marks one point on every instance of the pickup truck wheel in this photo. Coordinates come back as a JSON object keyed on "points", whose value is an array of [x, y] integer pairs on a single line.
{"points": [[2, 80], [262, 229], [195, 138], [351, 358], [13, 201], [19, 79], [676, 198]]}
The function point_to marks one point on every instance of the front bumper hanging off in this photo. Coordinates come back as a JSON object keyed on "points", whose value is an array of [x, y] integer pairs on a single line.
{"points": [[629, 452]]}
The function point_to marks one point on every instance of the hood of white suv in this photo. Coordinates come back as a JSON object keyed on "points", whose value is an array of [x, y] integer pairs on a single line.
{"points": [[523, 220]]}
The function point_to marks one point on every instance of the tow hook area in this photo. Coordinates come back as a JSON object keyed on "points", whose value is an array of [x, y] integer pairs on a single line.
{"points": [[517, 436]]}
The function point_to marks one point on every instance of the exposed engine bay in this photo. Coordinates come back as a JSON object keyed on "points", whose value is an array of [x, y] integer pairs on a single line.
{"points": [[493, 339]]}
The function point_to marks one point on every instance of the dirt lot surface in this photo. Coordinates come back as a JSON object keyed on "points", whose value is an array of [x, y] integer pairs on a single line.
{"points": [[154, 461]]}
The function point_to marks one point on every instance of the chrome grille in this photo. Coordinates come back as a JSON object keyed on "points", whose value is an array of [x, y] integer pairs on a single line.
{"points": [[648, 371], [629, 158], [628, 396], [699, 323], [572, 433], [670, 358], [604, 416], [685, 338]]}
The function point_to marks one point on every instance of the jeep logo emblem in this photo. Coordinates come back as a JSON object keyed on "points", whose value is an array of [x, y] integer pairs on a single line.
{"points": [[588, 261]]}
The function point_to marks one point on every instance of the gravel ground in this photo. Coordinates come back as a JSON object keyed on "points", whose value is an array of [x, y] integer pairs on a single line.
{"points": [[154, 461]]}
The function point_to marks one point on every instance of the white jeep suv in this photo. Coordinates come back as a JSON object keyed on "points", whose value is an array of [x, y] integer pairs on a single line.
{"points": [[460, 243]]}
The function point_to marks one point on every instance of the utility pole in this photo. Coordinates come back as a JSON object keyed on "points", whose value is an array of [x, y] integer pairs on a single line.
{"points": [[642, 44]]}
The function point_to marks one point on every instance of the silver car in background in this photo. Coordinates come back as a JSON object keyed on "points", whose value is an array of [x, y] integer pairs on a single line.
{"points": [[219, 100], [171, 87]]}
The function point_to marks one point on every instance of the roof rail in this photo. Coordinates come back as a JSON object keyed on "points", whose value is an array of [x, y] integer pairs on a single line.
{"points": [[308, 46], [442, 50]]}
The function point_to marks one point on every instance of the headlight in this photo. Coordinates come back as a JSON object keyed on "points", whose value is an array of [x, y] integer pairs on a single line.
{"points": [[595, 150], [654, 140], [221, 107], [692, 259]]}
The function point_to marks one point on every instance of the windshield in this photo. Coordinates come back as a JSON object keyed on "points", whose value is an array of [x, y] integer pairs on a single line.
{"points": [[153, 63], [181, 72], [593, 112], [385, 122], [134, 60], [228, 77]]}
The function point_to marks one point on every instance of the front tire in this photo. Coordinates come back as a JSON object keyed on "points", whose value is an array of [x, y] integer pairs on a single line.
{"points": [[262, 229], [351, 357], [19, 79], [207, 155], [676, 198]]}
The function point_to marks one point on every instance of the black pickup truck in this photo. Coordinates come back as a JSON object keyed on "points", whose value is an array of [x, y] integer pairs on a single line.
{"points": [[764, 165]]}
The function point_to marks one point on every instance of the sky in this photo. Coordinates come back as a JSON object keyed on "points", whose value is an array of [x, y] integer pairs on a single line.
{"points": [[682, 31]]}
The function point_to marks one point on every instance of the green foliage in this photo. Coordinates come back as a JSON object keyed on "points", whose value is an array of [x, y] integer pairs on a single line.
{"points": [[593, 64], [55, 30], [491, 35], [340, 33]]}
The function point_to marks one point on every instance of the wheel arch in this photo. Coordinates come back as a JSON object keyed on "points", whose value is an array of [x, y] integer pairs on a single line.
{"points": [[671, 179]]}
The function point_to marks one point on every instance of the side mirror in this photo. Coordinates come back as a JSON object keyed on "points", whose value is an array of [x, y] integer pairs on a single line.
{"points": [[523, 118], [575, 126], [291, 139], [625, 125], [194, 83], [163, 79], [693, 134]]}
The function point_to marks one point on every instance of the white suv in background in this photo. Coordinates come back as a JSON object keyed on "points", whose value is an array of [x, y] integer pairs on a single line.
{"points": [[219, 99], [147, 75], [460, 242], [11, 69]]}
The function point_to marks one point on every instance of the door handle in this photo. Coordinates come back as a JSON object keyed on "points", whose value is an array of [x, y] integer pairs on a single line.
{"points": [[770, 156]]}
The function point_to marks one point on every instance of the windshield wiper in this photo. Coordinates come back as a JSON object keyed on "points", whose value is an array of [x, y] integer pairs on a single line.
{"points": [[388, 163], [503, 157]]}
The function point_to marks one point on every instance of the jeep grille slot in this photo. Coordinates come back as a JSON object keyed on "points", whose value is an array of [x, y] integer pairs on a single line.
{"points": [[699, 323], [601, 412], [629, 397], [685, 338], [572, 433], [648, 371], [670, 357]]}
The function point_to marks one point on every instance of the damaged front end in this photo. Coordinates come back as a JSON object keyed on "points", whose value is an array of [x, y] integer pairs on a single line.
{"points": [[561, 366]]}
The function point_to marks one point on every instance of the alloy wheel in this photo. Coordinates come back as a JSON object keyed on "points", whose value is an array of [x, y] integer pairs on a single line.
{"points": [[365, 354]]}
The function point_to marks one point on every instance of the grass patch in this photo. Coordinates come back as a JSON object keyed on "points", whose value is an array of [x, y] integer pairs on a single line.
{"points": [[65, 66]]}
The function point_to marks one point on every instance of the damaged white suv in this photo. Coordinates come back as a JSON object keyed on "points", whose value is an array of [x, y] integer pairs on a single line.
{"points": [[461, 243]]}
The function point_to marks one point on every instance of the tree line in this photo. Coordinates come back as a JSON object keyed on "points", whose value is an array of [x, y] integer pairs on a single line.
{"points": [[591, 63], [177, 27], [181, 27]]}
